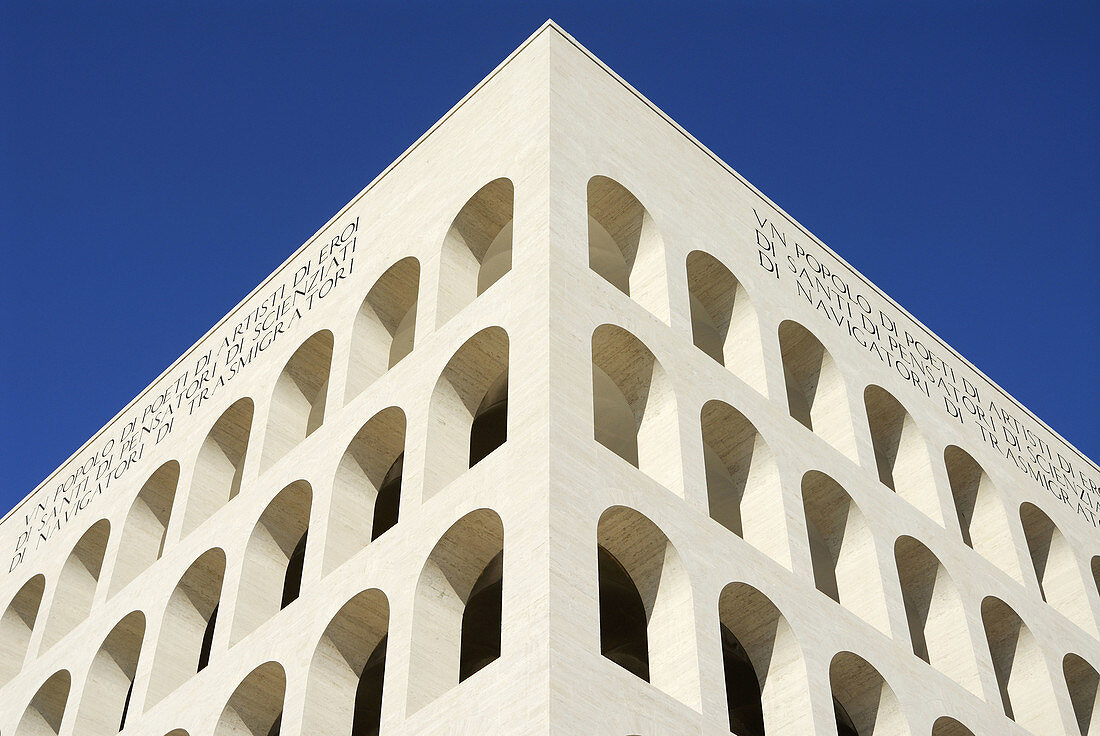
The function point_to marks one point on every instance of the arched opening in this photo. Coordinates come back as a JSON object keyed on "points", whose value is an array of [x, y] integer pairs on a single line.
{"points": [[982, 518], [468, 414], [457, 610], [743, 490], [1084, 693], [17, 625], [1055, 567], [934, 610], [256, 707], [366, 494], [945, 726], [220, 464], [842, 550], [477, 251], [271, 576], [816, 395], [47, 708], [298, 402], [346, 674], [863, 703], [901, 453], [146, 526], [110, 682], [625, 246], [724, 324], [186, 636], [634, 406], [77, 583], [767, 691], [638, 563], [385, 326], [1095, 564], [1026, 690]]}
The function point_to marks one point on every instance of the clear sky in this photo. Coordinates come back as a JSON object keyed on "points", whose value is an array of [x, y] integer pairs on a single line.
{"points": [[158, 160]]}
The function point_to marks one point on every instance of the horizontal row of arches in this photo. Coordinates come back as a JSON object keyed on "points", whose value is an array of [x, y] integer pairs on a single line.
{"points": [[646, 614]]}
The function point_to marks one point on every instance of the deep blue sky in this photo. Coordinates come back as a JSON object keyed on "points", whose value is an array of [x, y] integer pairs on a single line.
{"points": [[158, 160]]}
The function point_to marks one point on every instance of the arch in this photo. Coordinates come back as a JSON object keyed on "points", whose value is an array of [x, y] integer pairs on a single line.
{"points": [[981, 515], [477, 250], [366, 493], [468, 412], [177, 732], [1055, 567], [187, 630], [934, 610], [346, 674], [842, 550], [298, 402], [110, 683], [1084, 693], [625, 246], [17, 625], [1095, 565], [385, 326], [46, 710], [638, 554], [634, 405], [271, 575], [463, 572], [816, 394], [864, 704], [72, 600], [146, 526], [1026, 690], [219, 465], [743, 488], [767, 690], [945, 726], [724, 324], [256, 707], [901, 452]]}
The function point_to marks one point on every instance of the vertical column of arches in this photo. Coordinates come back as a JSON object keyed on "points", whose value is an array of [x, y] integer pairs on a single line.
{"points": [[385, 326], [187, 630], [298, 402], [220, 464], [625, 246], [110, 683], [934, 610], [457, 607], [767, 690], [347, 672], [17, 625], [981, 514], [816, 395], [1084, 693], [468, 412], [366, 493], [647, 623], [274, 558], [146, 526], [46, 710], [724, 324], [863, 703], [76, 586], [842, 550], [743, 488], [1022, 677], [256, 707], [1056, 568], [477, 250], [634, 405], [901, 453]]}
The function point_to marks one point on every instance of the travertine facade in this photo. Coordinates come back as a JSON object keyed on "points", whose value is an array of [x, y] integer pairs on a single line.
{"points": [[740, 488]]}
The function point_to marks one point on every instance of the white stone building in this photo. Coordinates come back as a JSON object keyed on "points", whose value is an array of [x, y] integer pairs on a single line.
{"points": [[559, 427]]}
